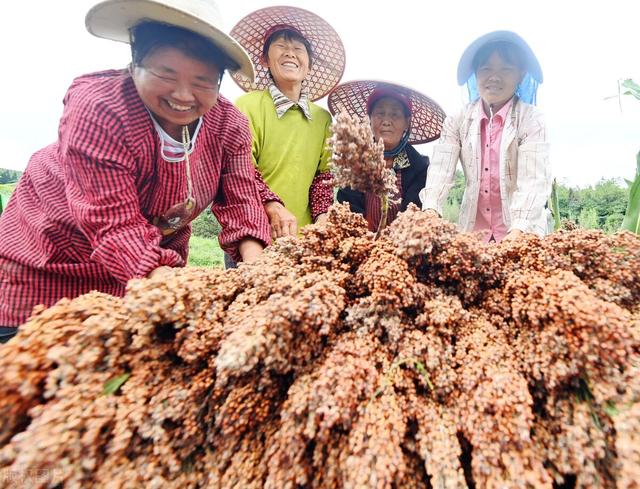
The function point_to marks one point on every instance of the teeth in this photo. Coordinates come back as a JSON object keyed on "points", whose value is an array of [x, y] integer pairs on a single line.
{"points": [[182, 108], [290, 64]]}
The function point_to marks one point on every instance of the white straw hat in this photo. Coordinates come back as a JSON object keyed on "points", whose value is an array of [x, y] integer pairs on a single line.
{"points": [[112, 19]]}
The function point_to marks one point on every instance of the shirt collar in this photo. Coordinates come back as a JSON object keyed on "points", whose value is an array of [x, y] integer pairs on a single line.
{"points": [[283, 103], [170, 149], [501, 114]]}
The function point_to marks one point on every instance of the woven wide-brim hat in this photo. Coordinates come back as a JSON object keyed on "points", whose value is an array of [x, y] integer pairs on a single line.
{"points": [[465, 66], [355, 97], [113, 19], [328, 55]]}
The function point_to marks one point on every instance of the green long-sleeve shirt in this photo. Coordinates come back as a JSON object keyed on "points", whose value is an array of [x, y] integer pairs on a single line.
{"points": [[289, 151]]}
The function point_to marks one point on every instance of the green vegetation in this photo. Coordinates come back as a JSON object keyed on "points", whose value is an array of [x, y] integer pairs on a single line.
{"points": [[9, 176], [205, 252], [632, 216], [5, 192], [451, 208], [599, 206], [554, 205], [8, 180], [631, 87], [112, 386], [206, 225], [6, 189]]}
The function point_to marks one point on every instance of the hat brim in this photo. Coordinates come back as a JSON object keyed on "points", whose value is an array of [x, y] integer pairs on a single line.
{"points": [[465, 66], [328, 51], [427, 116], [112, 19]]}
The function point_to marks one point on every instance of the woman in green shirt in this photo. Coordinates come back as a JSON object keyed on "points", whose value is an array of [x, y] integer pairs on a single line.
{"points": [[289, 130]]}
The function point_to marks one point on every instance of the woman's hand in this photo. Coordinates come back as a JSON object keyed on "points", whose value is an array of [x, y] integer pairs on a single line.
{"points": [[283, 223], [431, 212], [160, 272], [513, 234], [250, 249], [321, 218]]}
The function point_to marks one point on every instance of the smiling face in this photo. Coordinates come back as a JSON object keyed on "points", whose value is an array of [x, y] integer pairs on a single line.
{"points": [[288, 60], [389, 120], [497, 80], [177, 89]]}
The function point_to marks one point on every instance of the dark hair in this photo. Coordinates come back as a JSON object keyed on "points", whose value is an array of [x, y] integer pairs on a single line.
{"points": [[509, 52], [405, 109], [287, 35], [146, 37]]}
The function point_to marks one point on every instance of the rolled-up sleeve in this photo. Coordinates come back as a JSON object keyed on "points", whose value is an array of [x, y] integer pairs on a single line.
{"points": [[533, 178], [266, 195], [321, 194], [321, 189], [99, 173]]}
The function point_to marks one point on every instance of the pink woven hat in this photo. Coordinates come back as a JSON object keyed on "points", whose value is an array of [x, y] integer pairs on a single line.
{"points": [[327, 50], [356, 97]]}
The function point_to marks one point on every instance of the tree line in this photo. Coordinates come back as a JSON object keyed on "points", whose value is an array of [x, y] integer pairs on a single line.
{"points": [[9, 176], [599, 206]]}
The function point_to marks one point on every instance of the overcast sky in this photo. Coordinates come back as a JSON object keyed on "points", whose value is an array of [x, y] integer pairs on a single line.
{"points": [[584, 47]]}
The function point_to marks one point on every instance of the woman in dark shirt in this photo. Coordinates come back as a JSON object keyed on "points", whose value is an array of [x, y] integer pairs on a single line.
{"points": [[401, 117]]}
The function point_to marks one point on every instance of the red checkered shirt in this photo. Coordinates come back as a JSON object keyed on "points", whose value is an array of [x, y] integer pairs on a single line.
{"points": [[80, 217]]}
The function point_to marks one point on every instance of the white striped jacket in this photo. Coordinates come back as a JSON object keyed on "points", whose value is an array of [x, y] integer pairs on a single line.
{"points": [[525, 172]]}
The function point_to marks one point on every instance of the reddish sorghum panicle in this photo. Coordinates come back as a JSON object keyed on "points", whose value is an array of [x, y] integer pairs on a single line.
{"points": [[422, 359]]}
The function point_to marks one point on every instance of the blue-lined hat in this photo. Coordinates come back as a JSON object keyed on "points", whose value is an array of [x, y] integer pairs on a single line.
{"points": [[465, 66], [528, 87]]}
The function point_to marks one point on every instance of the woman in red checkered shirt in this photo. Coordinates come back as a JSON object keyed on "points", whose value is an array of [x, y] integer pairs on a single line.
{"points": [[140, 153]]}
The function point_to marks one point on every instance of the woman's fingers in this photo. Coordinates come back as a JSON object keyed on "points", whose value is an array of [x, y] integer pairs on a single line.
{"points": [[291, 227], [283, 222], [276, 228]]}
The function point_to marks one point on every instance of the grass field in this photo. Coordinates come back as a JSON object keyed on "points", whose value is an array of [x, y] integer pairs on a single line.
{"points": [[204, 252], [5, 192]]}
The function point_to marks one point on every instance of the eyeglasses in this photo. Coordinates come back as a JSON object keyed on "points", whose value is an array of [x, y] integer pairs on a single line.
{"points": [[171, 81]]}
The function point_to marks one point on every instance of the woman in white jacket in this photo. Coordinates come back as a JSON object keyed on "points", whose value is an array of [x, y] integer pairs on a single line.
{"points": [[500, 140]]}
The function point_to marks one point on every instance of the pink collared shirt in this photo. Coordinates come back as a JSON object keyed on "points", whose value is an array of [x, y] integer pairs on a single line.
{"points": [[489, 214]]}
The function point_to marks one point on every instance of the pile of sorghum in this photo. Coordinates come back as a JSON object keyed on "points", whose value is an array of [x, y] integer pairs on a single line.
{"points": [[422, 359]]}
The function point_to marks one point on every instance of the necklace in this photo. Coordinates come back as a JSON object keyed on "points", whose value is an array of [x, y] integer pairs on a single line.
{"points": [[179, 215]]}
